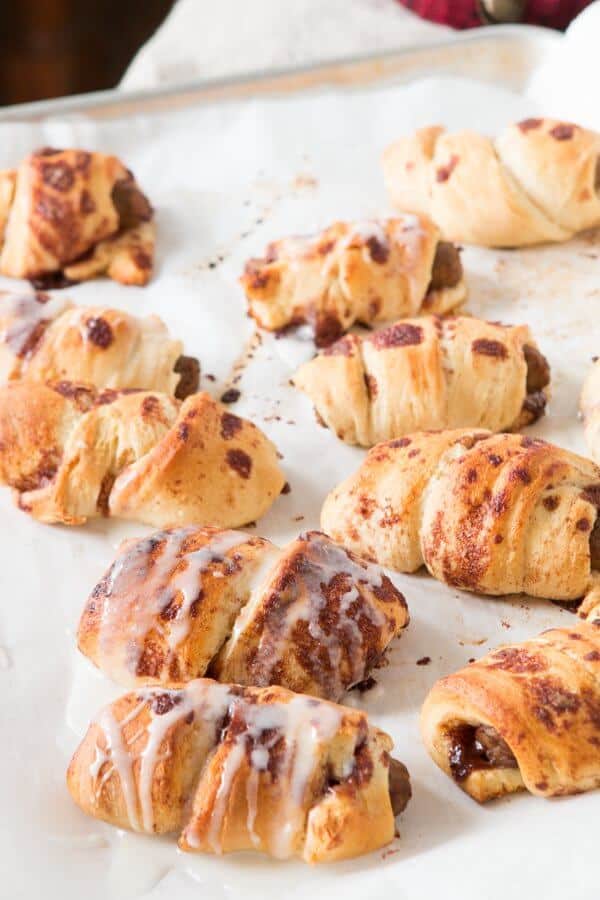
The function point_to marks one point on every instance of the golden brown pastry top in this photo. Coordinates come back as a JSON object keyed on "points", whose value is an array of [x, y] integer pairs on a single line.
{"points": [[354, 272], [525, 716], [234, 768], [71, 453], [59, 205], [427, 373], [497, 514], [186, 601], [48, 339], [539, 181]]}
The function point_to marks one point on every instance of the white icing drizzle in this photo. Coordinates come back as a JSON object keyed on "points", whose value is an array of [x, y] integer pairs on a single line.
{"points": [[141, 585], [135, 583], [366, 230], [206, 698], [22, 313], [312, 601], [305, 724], [119, 759]]}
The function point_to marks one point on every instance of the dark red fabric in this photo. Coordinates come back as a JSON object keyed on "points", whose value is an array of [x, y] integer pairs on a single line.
{"points": [[464, 13]]}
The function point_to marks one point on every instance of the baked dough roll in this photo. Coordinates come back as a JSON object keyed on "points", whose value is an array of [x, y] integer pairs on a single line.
{"points": [[71, 453], [189, 601], [69, 215], [233, 768], [45, 338], [354, 272], [525, 717], [539, 181], [427, 373], [496, 514]]}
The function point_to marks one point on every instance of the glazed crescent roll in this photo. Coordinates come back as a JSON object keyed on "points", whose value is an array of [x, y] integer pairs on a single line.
{"points": [[496, 514], [538, 181], [354, 272], [427, 373], [525, 717], [45, 338], [189, 601], [71, 453], [70, 215], [231, 768]]}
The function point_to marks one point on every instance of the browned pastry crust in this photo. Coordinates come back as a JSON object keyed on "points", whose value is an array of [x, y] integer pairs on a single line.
{"points": [[71, 453], [180, 603], [76, 213], [232, 768], [427, 373], [497, 514], [525, 717], [48, 339], [539, 181], [354, 272]]}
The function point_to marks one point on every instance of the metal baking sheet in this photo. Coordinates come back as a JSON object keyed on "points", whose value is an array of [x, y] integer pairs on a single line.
{"points": [[505, 54]]}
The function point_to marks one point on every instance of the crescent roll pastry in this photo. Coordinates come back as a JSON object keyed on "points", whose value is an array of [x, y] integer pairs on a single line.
{"points": [[354, 272], [312, 617], [239, 768], [538, 181], [525, 717], [45, 338], [69, 215], [71, 453], [496, 514], [427, 373]]}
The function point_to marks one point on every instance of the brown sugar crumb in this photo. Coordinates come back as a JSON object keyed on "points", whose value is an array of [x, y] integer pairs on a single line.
{"points": [[371, 386], [240, 462], [58, 175], [378, 250], [562, 132], [367, 684], [99, 332], [529, 124], [486, 347], [444, 172], [401, 335], [230, 425], [231, 395]]}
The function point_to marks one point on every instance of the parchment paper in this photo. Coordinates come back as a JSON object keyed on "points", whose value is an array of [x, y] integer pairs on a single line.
{"points": [[224, 182]]}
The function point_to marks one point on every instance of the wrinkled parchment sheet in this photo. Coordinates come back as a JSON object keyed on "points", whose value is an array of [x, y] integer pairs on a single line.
{"points": [[224, 182]]}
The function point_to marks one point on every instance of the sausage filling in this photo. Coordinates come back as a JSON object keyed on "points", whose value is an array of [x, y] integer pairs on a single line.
{"points": [[399, 786], [474, 747], [188, 368], [447, 268], [595, 545], [131, 204], [538, 377]]}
